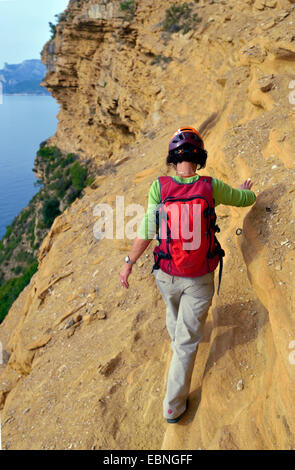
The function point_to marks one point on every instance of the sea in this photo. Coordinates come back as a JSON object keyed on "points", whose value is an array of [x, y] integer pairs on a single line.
{"points": [[25, 122]]}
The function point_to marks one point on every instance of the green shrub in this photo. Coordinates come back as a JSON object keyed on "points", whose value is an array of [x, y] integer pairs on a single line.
{"points": [[10, 247], [52, 30], [52, 167], [160, 59], [10, 290], [180, 17], [17, 270], [70, 158], [24, 216], [58, 174], [24, 257], [61, 187], [90, 180], [49, 152], [78, 174], [50, 210], [32, 238], [73, 194], [129, 8], [8, 231]]}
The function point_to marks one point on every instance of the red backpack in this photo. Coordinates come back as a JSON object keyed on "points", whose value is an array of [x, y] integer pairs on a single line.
{"points": [[186, 222]]}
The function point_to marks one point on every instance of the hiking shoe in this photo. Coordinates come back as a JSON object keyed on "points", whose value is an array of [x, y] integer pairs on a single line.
{"points": [[175, 420]]}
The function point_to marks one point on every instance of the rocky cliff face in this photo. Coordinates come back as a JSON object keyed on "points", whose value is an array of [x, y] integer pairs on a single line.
{"points": [[84, 360]]}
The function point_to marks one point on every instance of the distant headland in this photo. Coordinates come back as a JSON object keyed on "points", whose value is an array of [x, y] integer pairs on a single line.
{"points": [[23, 79]]}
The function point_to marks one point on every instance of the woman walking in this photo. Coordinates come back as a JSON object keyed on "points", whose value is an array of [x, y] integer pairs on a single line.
{"points": [[181, 212]]}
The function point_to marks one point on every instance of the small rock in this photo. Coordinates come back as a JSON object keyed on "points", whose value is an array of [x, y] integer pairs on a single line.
{"points": [[253, 313], [283, 14], [26, 410], [259, 5], [121, 160], [101, 316], [69, 324], [274, 167], [87, 318], [221, 81], [284, 242], [39, 343], [270, 3], [240, 385], [268, 25]]}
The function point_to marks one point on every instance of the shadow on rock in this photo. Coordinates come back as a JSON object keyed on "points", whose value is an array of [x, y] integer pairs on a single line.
{"points": [[243, 322]]}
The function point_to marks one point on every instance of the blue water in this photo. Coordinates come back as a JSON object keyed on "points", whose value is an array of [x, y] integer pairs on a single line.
{"points": [[25, 121]]}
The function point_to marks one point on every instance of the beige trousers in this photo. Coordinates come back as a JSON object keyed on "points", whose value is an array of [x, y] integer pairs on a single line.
{"points": [[187, 302]]}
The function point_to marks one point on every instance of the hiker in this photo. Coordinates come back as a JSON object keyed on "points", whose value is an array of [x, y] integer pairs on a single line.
{"points": [[183, 269]]}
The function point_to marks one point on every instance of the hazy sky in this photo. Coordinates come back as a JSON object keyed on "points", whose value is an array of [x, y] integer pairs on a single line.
{"points": [[24, 27]]}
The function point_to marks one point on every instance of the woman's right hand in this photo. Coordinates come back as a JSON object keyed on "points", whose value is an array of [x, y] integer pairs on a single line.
{"points": [[124, 274], [246, 185]]}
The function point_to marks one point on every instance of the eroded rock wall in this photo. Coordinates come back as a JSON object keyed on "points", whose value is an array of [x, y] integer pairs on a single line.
{"points": [[84, 359]]}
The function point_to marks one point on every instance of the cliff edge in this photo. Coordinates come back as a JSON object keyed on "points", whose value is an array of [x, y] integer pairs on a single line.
{"points": [[84, 361]]}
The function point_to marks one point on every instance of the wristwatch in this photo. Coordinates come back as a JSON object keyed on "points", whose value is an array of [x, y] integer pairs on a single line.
{"points": [[128, 260]]}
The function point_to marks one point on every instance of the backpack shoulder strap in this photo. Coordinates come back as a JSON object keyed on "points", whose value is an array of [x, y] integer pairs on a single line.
{"points": [[206, 179], [165, 182]]}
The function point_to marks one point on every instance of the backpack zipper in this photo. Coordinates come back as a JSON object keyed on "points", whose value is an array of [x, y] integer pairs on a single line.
{"points": [[174, 198]]}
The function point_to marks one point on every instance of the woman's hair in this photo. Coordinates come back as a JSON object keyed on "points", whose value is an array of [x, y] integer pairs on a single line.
{"points": [[190, 154]]}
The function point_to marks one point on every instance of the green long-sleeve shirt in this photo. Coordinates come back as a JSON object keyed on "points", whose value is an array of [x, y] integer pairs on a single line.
{"points": [[222, 194]]}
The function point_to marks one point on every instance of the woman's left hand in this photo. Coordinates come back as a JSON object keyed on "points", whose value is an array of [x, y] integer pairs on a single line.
{"points": [[124, 274], [246, 185]]}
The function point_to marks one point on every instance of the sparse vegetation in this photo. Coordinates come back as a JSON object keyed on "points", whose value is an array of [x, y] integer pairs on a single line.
{"points": [[78, 174], [50, 211], [129, 8], [180, 18], [59, 17], [52, 27], [10, 290], [160, 60], [63, 179]]}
